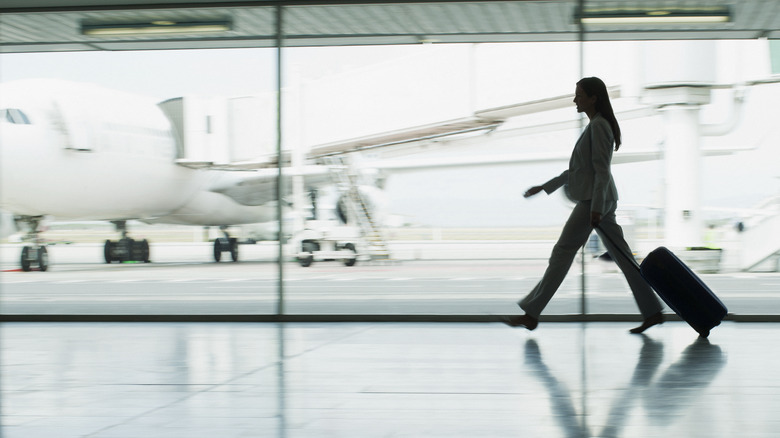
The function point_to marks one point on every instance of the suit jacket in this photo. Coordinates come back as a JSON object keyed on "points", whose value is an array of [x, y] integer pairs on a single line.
{"points": [[589, 175]]}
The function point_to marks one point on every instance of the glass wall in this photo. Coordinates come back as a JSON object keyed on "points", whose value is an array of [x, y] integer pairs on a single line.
{"points": [[404, 172], [463, 239], [458, 235], [129, 137]]}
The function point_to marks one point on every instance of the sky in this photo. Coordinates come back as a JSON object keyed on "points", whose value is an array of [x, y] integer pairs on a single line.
{"points": [[346, 92]]}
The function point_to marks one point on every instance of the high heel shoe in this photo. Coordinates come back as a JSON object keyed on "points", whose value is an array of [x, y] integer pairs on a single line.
{"points": [[652, 320]]}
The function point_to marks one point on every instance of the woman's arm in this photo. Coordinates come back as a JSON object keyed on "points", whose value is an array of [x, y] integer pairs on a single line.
{"points": [[550, 186]]}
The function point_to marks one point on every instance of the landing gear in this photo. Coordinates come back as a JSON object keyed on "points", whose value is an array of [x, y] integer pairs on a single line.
{"points": [[34, 255], [125, 249], [225, 244]]}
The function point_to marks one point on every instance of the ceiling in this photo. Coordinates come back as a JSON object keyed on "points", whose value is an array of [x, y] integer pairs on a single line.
{"points": [[50, 25]]}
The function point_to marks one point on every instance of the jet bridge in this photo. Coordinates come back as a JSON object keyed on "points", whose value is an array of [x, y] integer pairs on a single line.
{"points": [[213, 131]]}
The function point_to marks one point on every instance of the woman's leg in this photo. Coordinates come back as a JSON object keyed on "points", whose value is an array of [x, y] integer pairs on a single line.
{"points": [[575, 233], [645, 298]]}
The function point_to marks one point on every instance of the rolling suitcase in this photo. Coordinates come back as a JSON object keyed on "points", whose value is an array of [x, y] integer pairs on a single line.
{"points": [[681, 289]]}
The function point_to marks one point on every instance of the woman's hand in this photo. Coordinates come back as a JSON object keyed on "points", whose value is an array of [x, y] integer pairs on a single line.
{"points": [[532, 191], [595, 218]]}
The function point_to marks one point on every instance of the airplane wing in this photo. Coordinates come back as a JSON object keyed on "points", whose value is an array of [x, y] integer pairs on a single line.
{"points": [[419, 133], [410, 165], [257, 184], [482, 120]]}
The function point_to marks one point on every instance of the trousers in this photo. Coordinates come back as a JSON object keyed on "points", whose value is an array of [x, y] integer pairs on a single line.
{"points": [[575, 233]]}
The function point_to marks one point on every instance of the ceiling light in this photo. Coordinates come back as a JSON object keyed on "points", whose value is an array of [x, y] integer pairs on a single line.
{"points": [[154, 27], [656, 16]]}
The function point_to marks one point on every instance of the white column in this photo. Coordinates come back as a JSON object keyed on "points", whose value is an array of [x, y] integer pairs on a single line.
{"points": [[677, 77], [682, 161], [681, 105]]}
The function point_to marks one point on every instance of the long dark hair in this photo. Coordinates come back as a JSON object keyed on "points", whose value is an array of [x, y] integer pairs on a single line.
{"points": [[594, 86]]}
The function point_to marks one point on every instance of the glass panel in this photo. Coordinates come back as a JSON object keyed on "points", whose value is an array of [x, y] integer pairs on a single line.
{"points": [[449, 208], [101, 148], [710, 193]]}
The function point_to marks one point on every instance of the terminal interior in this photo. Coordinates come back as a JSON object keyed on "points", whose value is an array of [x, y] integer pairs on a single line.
{"points": [[400, 136]]}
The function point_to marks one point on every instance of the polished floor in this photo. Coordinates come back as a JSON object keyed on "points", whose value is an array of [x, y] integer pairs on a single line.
{"points": [[223, 380]]}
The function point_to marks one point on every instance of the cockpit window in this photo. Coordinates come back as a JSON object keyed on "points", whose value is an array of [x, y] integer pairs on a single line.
{"points": [[13, 115]]}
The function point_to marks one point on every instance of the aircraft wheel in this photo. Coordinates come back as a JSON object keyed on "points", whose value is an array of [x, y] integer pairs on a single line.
{"points": [[43, 258], [234, 249], [107, 251], [127, 245], [25, 259], [352, 261], [217, 250]]}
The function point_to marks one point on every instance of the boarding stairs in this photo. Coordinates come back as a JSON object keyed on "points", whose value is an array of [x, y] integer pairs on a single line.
{"points": [[357, 209]]}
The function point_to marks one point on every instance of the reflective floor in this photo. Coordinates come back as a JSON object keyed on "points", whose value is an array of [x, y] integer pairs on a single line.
{"points": [[221, 380]]}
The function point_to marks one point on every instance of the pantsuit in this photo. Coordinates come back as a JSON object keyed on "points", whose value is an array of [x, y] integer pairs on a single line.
{"points": [[590, 183], [575, 233]]}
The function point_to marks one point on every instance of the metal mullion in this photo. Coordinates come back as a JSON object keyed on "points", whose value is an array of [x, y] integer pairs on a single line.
{"points": [[279, 178]]}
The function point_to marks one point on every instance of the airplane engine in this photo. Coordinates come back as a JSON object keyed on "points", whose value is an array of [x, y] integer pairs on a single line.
{"points": [[371, 200]]}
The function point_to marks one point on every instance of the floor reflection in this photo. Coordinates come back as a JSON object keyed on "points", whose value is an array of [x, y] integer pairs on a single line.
{"points": [[683, 381], [380, 380], [665, 398], [570, 420]]}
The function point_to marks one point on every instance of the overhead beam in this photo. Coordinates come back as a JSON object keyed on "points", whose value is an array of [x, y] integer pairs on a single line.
{"points": [[30, 6]]}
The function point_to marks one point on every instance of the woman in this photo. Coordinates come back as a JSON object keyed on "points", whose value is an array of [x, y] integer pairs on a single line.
{"points": [[590, 183]]}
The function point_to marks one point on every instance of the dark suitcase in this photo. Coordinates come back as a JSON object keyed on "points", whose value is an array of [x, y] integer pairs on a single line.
{"points": [[681, 289]]}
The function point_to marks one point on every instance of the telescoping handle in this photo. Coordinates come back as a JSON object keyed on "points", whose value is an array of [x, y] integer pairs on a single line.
{"points": [[630, 257]]}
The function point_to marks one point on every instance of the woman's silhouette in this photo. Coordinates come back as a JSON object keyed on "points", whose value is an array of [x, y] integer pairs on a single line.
{"points": [[590, 183]]}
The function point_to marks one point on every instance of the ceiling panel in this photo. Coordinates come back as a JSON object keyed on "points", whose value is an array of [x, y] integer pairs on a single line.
{"points": [[38, 27]]}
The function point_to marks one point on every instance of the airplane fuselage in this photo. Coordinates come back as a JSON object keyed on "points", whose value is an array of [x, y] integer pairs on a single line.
{"points": [[79, 152]]}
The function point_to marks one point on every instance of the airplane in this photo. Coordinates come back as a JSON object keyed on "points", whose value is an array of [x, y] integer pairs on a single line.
{"points": [[78, 152]]}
